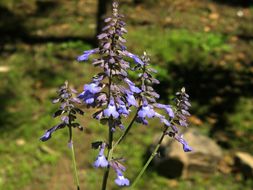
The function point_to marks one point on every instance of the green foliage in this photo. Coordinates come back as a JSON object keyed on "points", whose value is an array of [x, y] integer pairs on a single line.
{"points": [[240, 125], [36, 70], [180, 45]]}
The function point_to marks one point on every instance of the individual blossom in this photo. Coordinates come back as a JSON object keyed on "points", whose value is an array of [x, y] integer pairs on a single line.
{"points": [[132, 86], [90, 90], [146, 111], [131, 99], [122, 109], [111, 110], [167, 108], [49, 132], [86, 54], [185, 145], [134, 57], [121, 180], [162, 119], [119, 169], [101, 160]]}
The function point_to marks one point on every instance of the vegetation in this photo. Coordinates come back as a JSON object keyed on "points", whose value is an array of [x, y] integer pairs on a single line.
{"points": [[203, 44]]}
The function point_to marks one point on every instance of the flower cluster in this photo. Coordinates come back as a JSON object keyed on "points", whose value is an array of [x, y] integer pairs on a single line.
{"points": [[102, 162], [149, 96], [114, 95], [67, 110], [181, 115]]}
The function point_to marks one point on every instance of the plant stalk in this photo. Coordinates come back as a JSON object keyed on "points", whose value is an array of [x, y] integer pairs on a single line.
{"points": [[73, 159], [154, 153], [126, 131], [106, 174]]}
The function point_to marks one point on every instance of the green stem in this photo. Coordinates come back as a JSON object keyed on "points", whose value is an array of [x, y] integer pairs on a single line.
{"points": [[73, 159], [109, 156], [127, 130], [154, 153]]}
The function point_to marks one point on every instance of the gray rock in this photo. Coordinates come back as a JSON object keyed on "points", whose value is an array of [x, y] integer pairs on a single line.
{"points": [[174, 162], [244, 162]]}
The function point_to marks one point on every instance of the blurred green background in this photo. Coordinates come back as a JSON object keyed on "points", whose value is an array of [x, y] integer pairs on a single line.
{"points": [[204, 45]]}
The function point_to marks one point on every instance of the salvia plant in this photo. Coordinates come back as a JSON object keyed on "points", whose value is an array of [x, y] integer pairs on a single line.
{"points": [[114, 94]]}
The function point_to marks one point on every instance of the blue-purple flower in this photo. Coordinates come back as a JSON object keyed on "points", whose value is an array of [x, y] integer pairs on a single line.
{"points": [[101, 160], [48, 133], [111, 110], [86, 54], [131, 99], [167, 108], [122, 110], [146, 111], [88, 95], [46, 136], [162, 119], [132, 86], [121, 180], [92, 87], [180, 139], [134, 57]]}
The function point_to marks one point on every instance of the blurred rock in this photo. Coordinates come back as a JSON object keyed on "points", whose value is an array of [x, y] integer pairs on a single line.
{"points": [[214, 16], [174, 162], [4, 69], [226, 164], [244, 163], [20, 142]]}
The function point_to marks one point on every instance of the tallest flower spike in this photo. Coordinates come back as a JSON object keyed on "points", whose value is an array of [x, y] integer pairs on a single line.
{"points": [[115, 28], [112, 92]]}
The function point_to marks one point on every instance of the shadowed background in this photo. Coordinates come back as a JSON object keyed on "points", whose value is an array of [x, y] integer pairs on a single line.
{"points": [[204, 45]]}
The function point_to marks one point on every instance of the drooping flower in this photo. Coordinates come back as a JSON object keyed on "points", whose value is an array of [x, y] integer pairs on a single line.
{"points": [[49, 132], [88, 95], [146, 111], [92, 88], [134, 57], [180, 139], [167, 108], [111, 110], [101, 160], [121, 180], [122, 110], [132, 86], [131, 99], [162, 119], [86, 54], [119, 169]]}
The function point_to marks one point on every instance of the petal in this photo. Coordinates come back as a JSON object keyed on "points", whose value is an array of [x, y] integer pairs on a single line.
{"points": [[186, 147], [121, 180], [135, 89], [86, 54], [101, 162], [131, 100], [46, 136], [134, 57]]}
